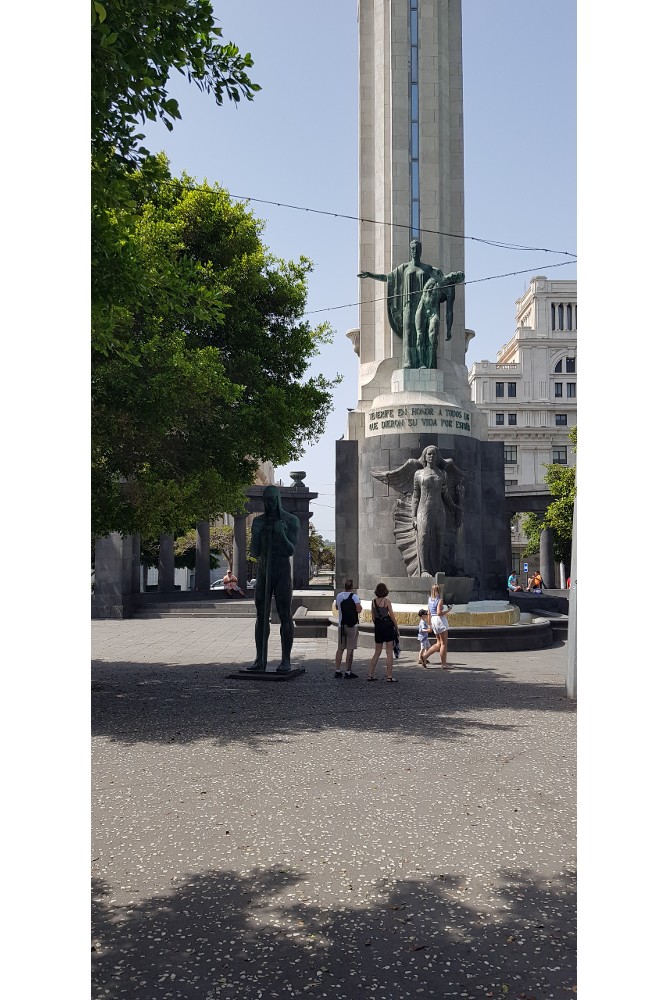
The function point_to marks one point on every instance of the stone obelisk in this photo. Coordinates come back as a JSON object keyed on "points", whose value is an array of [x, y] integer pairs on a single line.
{"points": [[413, 381]]}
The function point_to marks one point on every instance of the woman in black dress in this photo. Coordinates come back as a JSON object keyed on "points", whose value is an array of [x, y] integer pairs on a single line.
{"points": [[386, 627]]}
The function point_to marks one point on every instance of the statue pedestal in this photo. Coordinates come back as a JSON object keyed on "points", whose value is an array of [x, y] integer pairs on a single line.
{"points": [[416, 590], [423, 380], [266, 675]]}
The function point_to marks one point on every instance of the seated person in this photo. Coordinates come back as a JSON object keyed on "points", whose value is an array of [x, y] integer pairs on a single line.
{"points": [[513, 584], [230, 585]]}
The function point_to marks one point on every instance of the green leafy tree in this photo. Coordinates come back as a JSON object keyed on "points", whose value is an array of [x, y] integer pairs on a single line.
{"points": [[135, 45], [321, 552], [561, 480], [327, 558], [199, 348], [221, 544], [216, 370]]}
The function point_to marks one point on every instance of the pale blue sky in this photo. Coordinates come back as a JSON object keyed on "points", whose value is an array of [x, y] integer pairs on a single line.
{"points": [[297, 143]]}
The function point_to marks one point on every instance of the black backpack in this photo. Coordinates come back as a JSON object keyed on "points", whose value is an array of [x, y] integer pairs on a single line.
{"points": [[348, 611]]}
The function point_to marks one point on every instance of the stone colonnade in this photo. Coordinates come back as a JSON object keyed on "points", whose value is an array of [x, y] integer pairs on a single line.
{"points": [[536, 499], [546, 553], [117, 557]]}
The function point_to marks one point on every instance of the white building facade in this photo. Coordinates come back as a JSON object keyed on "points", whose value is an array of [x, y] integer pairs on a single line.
{"points": [[530, 392]]}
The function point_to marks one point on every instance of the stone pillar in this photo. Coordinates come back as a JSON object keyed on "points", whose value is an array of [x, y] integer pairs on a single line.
{"points": [[203, 557], [136, 564], [347, 513], [547, 558], [301, 564], [239, 555], [165, 569], [571, 676], [113, 577], [511, 515]]}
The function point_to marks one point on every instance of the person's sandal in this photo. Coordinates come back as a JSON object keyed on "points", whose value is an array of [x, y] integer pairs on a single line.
{"points": [[371, 678], [391, 680]]}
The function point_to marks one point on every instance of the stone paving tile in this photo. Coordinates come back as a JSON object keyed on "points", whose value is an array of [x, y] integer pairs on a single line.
{"points": [[328, 838]]}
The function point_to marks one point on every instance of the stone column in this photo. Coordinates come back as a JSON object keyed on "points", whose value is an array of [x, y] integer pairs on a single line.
{"points": [[239, 554], [571, 676], [165, 569], [113, 577], [203, 557], [547, 558], [301, 564], [136, 564], [509, 541], [347, 513]]}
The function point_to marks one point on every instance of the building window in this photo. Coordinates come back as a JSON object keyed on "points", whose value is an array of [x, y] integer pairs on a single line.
{"points": [[511, 419], [571, 390], [559, 367], [553, 315], [510, 454], [560, 315], [561, 420], [500, 389], [559, 456], [558, 389], [500, 419], [511, 388], [511, 482], [569, 365]]}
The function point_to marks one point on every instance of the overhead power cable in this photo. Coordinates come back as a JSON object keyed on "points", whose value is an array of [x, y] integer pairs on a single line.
{"points": [[400, 225], [472, 281], [373, 222]]}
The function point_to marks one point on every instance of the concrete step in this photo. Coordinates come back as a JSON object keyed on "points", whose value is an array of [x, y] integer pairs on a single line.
{"points": [[208, 609]]}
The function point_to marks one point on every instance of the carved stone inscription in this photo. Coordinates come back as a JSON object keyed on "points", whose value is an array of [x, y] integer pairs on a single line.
{"points": [[417, 419]]}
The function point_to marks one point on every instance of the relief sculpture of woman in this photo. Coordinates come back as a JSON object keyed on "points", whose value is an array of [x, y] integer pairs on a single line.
{"points": [[431, 485]]}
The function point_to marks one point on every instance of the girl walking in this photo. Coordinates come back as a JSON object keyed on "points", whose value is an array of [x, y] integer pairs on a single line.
{"points": [[386, 627], [437, 619]]}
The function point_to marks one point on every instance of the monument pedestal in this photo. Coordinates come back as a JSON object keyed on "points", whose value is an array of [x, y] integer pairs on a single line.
{"points": [[266, 675], [417, 589], [411, 410]]}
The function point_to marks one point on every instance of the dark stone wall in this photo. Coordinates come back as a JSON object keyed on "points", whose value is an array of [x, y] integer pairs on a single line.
{"points": [[477, 549], [347, 513]]}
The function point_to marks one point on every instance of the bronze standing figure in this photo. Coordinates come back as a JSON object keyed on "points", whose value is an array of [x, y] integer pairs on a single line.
{"points": [[274, 536]]}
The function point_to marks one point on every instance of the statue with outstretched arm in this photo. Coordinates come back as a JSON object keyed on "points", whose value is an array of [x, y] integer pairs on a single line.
{"points": [[405, 287], [273, 539]]}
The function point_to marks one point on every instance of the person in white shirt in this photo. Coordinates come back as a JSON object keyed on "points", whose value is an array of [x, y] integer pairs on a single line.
{"points": [[349, 607]]}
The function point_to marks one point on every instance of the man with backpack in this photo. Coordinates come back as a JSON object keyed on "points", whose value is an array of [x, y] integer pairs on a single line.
{"points": [[349, 606]]}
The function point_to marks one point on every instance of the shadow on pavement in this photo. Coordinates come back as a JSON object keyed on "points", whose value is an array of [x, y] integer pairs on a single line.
{"points": [[136, 703], [259, 934]]}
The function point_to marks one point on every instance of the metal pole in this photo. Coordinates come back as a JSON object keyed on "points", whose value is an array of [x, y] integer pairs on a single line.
{"points": [[267, 595], [571, 675]]}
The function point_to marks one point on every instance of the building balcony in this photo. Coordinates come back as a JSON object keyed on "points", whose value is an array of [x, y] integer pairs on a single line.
{"points": [[491, 368]]}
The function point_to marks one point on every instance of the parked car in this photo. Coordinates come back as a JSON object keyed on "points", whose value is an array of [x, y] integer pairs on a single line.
{"points": [[217, 585]]}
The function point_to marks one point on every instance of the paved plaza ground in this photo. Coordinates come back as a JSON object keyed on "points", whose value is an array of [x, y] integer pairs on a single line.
{"points": [[328, 838]]}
